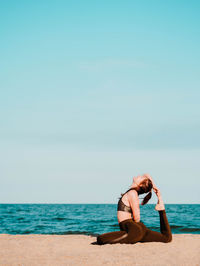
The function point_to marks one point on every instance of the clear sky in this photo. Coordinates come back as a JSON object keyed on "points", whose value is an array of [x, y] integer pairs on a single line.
{"points": [[95, 92]]}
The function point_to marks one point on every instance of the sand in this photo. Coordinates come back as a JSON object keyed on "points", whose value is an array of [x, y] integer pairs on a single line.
{"points": [[77, 250]]}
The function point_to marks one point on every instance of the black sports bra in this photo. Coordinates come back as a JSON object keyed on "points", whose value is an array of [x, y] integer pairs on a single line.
{"points": [[121, 206]]}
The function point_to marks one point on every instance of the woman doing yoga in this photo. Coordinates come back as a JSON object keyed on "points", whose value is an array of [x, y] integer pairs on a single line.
{"points": [[128, 215]]}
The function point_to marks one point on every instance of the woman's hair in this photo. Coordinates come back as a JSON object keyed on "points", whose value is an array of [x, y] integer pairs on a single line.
{"points": [[145, 187]]}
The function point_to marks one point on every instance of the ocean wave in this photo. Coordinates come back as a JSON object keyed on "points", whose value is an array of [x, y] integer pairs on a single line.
{"points": [[190, 230], [68, 219]]}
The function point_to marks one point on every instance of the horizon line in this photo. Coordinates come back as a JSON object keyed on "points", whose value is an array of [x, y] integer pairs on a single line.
{"points": [[89, 203]]}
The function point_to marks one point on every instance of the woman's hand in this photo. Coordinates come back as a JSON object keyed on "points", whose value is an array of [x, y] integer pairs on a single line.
{"points": [[157, 192], [154, 186]]}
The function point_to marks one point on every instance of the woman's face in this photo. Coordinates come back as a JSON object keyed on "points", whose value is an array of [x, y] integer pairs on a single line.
{"points": [[138, 179]]}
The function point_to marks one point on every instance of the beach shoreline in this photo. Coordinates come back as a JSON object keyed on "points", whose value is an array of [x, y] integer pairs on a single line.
{"points": [[79, 250]]}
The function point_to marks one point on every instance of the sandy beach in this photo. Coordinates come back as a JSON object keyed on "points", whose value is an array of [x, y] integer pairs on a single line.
{"points": [[79, 250]]}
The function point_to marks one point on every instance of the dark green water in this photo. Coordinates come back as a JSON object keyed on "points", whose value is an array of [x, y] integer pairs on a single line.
{"points": [[90, 219]]}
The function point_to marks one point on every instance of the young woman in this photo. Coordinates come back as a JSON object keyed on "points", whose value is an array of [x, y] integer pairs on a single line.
{"points": [[128, 215]]}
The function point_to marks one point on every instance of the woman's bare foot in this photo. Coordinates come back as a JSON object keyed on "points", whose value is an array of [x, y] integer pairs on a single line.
{"points": [[160, 204]]}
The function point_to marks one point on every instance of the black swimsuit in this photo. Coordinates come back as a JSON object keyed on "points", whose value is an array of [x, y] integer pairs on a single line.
{"points": [[121, 206]]}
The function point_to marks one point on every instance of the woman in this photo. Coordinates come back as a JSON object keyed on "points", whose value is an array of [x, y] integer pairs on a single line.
{"points": [[128, 215]]}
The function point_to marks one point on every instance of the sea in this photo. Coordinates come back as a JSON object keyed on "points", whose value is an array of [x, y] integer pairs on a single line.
{"points": [[90, 219]]}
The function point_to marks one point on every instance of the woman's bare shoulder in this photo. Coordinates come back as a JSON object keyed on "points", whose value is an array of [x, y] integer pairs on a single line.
{"points": [[133, 194]]}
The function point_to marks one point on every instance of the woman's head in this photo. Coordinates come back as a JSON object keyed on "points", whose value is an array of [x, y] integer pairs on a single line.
{"points": [[144, 185]]}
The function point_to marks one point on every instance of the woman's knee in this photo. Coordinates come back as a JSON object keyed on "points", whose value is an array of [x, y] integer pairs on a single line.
{"points": [[168, 238]]}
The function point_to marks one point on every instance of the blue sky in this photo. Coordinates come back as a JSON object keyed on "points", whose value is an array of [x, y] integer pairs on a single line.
{"points": [[95, 92]]}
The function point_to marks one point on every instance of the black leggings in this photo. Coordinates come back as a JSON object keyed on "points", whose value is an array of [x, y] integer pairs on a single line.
{"points": [[132, 232]]}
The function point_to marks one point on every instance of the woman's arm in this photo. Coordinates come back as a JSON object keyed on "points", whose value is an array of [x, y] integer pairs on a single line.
{"points": [[135, 204]]}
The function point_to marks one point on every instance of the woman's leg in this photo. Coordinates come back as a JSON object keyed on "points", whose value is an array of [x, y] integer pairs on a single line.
{"points": [[135, 231], [131, 232], [165, 235], [111, 238]]}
